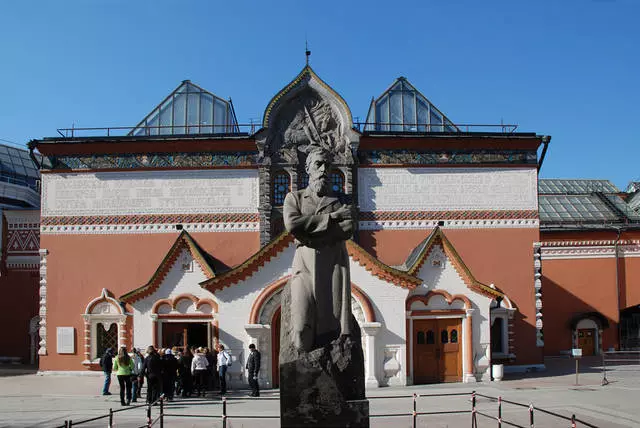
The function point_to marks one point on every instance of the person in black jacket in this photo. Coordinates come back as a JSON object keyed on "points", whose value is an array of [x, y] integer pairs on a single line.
{"points": [[106, 362], [152, 369], [253, 367], [184, 366], [169, 372]]}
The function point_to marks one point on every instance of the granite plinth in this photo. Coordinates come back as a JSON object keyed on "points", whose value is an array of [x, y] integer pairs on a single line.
{"points": [[324, 387]]}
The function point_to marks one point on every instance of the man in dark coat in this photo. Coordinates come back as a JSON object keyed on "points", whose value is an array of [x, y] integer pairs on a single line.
{"points": [[152, 369], [169, 372], [253, 367], [106, 362]]}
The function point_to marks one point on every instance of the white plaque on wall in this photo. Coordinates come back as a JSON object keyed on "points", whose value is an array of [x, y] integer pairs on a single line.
{"points": [[447, 189], [66, 341], [150, 192]]}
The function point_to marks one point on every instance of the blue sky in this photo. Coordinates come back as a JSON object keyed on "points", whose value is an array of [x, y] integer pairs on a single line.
{"points": [[568, 68]]}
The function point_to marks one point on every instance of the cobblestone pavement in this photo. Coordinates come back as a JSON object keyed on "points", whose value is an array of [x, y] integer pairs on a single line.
{"points": [[31, 400]]}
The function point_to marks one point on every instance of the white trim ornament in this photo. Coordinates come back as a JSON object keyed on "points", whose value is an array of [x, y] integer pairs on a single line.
{"points": [[43, 302]]}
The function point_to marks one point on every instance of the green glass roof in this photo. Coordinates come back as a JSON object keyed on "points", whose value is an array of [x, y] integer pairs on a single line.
{"points": [[402, 108], [189, 109], [16, 167], [557, 186]]}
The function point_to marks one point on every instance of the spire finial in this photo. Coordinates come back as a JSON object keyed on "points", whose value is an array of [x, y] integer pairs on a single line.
{"points": [[307, 52]]}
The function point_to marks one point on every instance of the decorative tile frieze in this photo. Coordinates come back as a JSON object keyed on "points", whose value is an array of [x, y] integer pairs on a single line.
{"points": [[151, 160], [447, 215], [451, 157], [150, 219]]}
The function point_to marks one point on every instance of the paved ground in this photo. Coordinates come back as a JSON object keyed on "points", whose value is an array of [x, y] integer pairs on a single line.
{"points": [[29, 400]]}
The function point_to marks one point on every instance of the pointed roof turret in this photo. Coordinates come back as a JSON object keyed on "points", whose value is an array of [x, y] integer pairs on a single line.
{"points": [[189, 109], [402, 108]]}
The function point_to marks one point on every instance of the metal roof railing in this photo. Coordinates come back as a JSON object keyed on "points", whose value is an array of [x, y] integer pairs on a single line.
{"points": [[252, 128]]}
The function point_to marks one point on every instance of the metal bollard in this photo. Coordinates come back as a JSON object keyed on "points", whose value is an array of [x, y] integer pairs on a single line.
{"points": [[474, 422], [604, 370], [224, 412], [531, 415], [110, 418], [499, 412], [415, 415]]}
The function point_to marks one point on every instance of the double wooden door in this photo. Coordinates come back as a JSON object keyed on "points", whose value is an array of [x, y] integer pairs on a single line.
{"points": [[437, 354], [586, 341]]}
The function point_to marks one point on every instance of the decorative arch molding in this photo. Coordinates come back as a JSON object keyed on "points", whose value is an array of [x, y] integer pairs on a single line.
{"points": [[173, 303], [101, 313], [447, 297], [276, 287], [105, 297]]}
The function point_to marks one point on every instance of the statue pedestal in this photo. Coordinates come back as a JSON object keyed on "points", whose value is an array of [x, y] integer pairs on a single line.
{"points": [[323, 387], [314, 392]]}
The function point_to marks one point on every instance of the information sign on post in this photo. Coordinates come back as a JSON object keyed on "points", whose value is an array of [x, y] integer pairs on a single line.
{"points": [[576, 353]]}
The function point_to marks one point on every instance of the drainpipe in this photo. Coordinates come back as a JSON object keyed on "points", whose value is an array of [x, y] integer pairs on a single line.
{"points": [[617, 257], [32, 145], [546, 139]]}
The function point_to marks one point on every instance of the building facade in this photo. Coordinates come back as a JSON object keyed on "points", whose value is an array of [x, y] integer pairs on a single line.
{"points": [[173, 235]]}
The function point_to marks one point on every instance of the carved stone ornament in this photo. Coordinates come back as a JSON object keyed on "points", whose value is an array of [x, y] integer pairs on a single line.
{"points": [[306, 112]]}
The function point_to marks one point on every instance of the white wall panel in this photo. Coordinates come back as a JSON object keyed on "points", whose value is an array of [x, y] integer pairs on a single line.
{"points": [[150, 192], [447, 189]]}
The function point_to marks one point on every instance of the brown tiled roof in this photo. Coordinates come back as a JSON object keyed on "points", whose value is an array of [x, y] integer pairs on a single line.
{"points": [[184, 241], [418, 256]]}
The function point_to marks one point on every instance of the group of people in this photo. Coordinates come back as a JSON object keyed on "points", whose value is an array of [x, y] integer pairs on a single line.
{"points": [[171, 372]]}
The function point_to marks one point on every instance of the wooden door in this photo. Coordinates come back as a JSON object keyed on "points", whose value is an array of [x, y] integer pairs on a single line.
{"points": [[437, 354], [586, 341], [426, 354], [450, 370]]}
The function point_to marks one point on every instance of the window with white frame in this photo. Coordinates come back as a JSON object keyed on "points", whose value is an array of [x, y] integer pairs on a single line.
{"points": [[500, 330], [104, 326]]}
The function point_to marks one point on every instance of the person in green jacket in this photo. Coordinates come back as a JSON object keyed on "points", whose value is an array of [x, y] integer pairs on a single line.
{"points": [[123, 366]]}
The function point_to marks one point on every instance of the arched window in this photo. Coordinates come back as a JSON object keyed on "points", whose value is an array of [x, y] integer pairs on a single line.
{"points": [[281, 186], [420, 339], [107, 337], [337, 181], [444, 336], [497, 335], [454, 336], [303, 180], [431, 338]]}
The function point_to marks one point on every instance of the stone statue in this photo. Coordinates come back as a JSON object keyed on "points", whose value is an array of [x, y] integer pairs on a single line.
{"points": [[321, 358], [320, 284]]}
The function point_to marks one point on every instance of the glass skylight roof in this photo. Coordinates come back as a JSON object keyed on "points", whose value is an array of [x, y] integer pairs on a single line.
{"points": [[573, 187], [189, 110], [578, 208], [402, 108], [16, 167]]}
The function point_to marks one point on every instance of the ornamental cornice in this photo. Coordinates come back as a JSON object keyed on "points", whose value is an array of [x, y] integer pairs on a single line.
{"points": [[99, 229], [403, 157], [589, 252], [131, 161], [449, 224]]}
